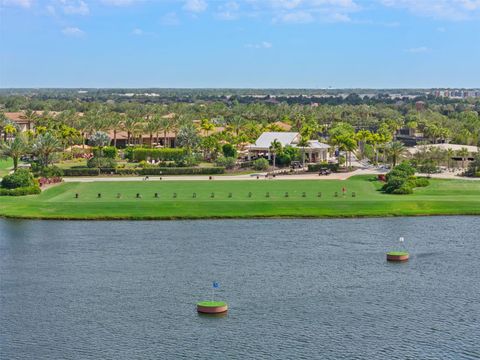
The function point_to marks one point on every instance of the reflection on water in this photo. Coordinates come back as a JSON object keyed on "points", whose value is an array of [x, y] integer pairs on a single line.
{"points": [[296, 289]]}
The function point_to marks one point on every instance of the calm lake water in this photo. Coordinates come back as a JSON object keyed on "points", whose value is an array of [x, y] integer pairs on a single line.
{"points": [[297, 289]]}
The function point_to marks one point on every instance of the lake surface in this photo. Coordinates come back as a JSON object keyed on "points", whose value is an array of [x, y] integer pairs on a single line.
{"points": [[297, 289]]}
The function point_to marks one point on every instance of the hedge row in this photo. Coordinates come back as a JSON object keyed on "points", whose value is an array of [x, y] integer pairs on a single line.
{"points": [[21, 191], [146, 171], [182, 171], [166, 154], [81, 172], [318, 167]]}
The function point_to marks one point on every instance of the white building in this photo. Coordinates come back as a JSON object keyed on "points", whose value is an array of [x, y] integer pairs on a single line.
{"points": [[315, 151]]}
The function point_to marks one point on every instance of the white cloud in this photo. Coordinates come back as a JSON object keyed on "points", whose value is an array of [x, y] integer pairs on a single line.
{"points": [[228, 11], [418, 50], [73, 31], [51, 10], [22, 3], [196, 6], [295, 17], [120, 2], [262, 45], [79, 7], [137, 32], [338, 17], [170, 19], [454, 10]]}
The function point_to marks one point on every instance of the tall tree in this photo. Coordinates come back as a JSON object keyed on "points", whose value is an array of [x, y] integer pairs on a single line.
{"points": [[275, 148], [395, 150], [14, 148]]}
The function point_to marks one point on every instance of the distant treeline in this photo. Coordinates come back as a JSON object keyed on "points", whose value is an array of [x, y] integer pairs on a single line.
{"points": [[63, 99]]}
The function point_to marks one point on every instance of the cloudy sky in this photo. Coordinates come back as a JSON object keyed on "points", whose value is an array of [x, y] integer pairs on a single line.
{"points": [[240, 43]]}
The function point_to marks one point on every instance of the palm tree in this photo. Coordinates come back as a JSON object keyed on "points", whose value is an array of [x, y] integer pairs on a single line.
{"points": [[302, 144], [463, 153], [31, 116], [114, 123], [188, 137], [3, 123], [165, 125], [275, 147], [207, 126], [450, 155], [151, 127], [363, 137], [9, 129], [395, 150], [236, 123], [15, 149], [45, 146], [130, 125]]}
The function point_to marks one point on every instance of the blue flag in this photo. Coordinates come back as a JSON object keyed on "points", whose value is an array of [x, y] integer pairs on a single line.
{"points": [[215, 285]]}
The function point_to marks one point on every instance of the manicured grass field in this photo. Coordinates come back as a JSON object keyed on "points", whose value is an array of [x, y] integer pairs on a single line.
{"points": [[231, 199], [5, 166]]}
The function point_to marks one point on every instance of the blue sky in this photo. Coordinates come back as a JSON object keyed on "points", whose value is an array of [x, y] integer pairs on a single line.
{"points": [[240, 43]]}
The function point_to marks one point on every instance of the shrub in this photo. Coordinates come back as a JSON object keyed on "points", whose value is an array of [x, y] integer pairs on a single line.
{"points": [[182, 171], [226, 162], [51, 172], [421, 182], [187, 161], [21, 191], [110, 152], [401, 180], [20, 178], [101, 162], [126, 171], [260, 164], [283, 159], [81, 172], [403, 190], [403, 170], [229, 151], [167, 154], [325, 165]]}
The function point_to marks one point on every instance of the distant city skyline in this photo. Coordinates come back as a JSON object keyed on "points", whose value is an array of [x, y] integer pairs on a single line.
{"points": [[240, 44]]}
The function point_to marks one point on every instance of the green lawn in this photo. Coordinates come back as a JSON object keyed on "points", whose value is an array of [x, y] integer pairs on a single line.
{"points": [[447, 197], [5, 166]]}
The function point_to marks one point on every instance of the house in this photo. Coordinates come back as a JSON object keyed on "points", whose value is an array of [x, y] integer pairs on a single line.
{"points": [[18, 118], [315, 151]]}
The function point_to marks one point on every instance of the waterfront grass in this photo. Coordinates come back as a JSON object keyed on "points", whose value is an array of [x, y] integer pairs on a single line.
{"points": [[231, 199]]}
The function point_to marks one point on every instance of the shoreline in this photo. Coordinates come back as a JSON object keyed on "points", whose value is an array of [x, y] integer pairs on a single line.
{"points": [[257, 217]]}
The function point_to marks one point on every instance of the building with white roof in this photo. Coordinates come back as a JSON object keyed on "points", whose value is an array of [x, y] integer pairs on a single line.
{"points": [[315, 151]]}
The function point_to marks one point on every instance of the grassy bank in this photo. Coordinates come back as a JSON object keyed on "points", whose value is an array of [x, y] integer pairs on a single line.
{"points": [[442, 197]]}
